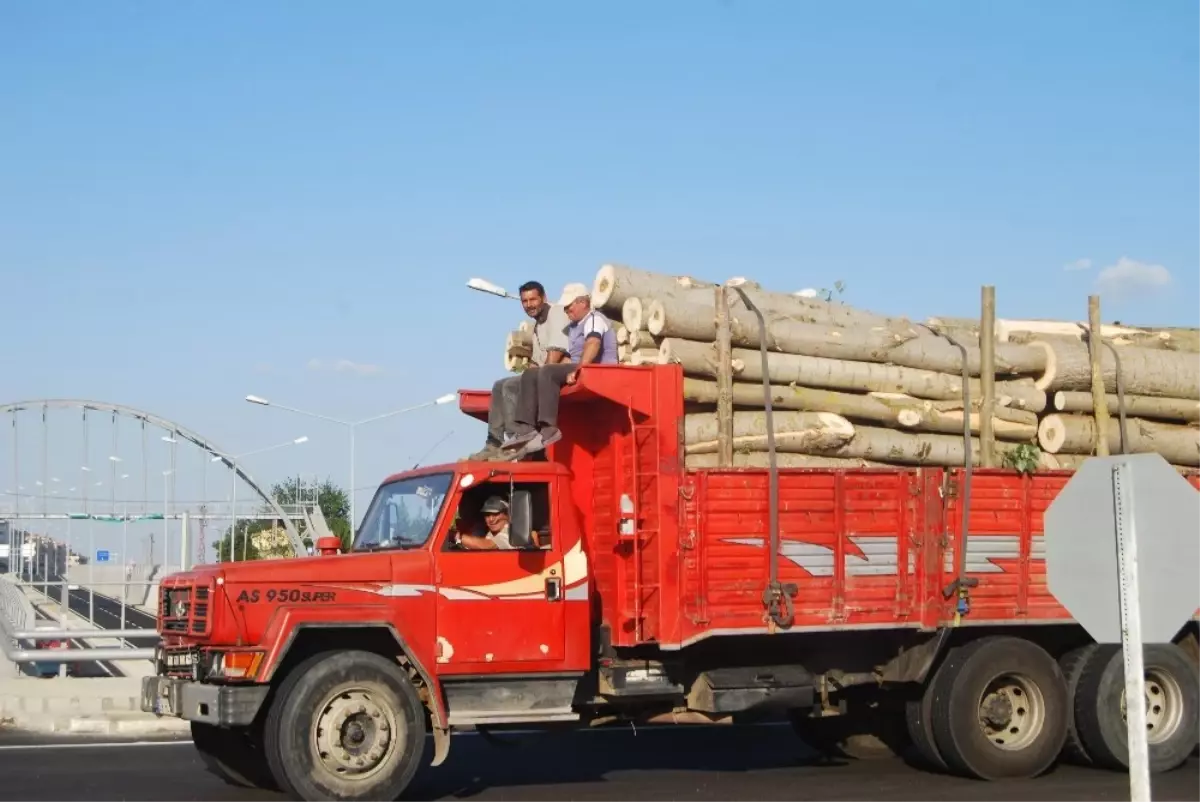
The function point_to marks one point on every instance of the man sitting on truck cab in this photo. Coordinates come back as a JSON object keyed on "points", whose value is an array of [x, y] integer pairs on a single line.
{"points": [[591, 340], [495, 534], [549, 347]]}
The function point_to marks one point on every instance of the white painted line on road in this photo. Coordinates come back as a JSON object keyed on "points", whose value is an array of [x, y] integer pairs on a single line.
{"points": [[101, 745]]}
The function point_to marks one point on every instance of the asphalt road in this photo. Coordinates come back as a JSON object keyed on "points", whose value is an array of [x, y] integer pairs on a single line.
{"points": [[760, 763]]}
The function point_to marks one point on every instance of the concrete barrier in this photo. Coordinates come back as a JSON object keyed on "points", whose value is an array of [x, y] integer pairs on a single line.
{"points": [[109, 705]]}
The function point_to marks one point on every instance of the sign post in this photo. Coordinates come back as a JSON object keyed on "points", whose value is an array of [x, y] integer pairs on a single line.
{"points": [[102, 556], [1121, 539]]}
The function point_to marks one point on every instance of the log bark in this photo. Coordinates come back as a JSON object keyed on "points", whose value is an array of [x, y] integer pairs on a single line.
{"points": [[794, 431], [1073, 434], [1072, 462], [888, 445], [642, 339], [901, 411], [643, 356], [699, 359], [1138, 406], [869, 443], [898, 345], [1144, 371], [1170, 339], [615, 283], [759, 459]]}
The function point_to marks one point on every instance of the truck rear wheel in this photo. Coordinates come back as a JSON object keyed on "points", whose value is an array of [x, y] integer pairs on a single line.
{"points": [[345, 725], [234, 755], [1000, 709], [1072, 664], [1171, 706]]}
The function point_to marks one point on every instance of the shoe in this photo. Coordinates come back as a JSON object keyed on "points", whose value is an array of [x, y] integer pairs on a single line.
{"points": [[520, 440], [548, 436], [487, 453]]}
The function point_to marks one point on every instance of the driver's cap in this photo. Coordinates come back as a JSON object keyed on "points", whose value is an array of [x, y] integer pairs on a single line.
{"points": [[494, 504]]}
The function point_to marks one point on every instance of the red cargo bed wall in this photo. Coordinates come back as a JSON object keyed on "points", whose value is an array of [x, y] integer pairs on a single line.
{"points": [[850, 540]]}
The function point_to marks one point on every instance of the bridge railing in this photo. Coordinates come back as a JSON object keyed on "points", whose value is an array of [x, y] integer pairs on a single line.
{"points": [[19, 627]]}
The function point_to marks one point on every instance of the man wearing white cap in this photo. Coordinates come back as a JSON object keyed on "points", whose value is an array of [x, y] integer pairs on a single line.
{"points": [[590, 340]]}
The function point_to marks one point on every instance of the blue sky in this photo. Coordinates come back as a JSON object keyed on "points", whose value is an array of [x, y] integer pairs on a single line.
{"points": [[205, 200]]}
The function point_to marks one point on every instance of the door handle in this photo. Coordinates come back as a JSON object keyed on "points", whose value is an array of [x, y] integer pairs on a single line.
{"points": [[554, 588]]}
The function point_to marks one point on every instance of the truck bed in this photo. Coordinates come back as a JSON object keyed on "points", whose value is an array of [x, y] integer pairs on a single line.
{"points": [[866, 547]]}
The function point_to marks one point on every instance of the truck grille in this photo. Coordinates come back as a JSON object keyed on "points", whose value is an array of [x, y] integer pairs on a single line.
{"points": [[184, 609]]}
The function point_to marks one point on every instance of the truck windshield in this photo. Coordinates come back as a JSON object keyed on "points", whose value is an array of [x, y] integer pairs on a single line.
{"points": [[402, 513]]}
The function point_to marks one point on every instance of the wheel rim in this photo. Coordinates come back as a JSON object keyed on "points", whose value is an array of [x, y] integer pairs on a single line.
{"points": [[1012, 712], [354, 736], [1164, 706]]}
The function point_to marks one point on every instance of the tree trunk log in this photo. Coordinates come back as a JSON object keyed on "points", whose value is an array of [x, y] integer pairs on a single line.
{"points": [[901, 411], [887, 445], [633, 314], [1073, 434], [1072, 462], [699, 359], [759, 459], [1144, 371], [794, 431], [643, 356], [905, 346], [615, 283], [1139, 406], [1025, 331], [642, 339]]}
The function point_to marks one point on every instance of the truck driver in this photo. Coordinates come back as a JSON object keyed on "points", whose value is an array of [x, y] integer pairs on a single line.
{"points": [[495, 533]]}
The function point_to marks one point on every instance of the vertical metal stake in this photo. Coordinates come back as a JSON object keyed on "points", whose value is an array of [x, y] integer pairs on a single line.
{"points": [[1131, 635]]}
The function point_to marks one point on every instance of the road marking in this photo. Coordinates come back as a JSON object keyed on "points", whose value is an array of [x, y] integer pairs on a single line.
{"points": [[101, 745]]}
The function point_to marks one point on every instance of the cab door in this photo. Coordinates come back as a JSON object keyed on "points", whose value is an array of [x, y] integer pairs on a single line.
{"points": [[503, 607]]}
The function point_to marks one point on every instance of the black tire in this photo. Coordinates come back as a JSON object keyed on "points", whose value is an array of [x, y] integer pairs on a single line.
{"points": [[1072, 664], [1171, 680], [234, 755], [357, 693], [918, 714], [857, 737], [1026, 697]]}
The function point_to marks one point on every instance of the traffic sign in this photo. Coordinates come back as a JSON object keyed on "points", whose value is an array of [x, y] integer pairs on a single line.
{"points": [[1121, 526], [101, 556], [1082, 562]]}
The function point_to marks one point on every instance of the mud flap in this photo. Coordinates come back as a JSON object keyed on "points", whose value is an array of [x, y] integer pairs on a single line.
{"points": [[441, 746]]}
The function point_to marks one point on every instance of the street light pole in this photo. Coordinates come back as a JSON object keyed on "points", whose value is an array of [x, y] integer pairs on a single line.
{"points": [[352, 425]]}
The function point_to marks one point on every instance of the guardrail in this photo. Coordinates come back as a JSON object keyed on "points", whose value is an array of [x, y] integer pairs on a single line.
{"points": [[18, 622]]}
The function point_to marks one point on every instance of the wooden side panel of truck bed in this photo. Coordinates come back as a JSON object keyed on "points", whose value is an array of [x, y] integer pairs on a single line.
{"points": [[866, 548]]}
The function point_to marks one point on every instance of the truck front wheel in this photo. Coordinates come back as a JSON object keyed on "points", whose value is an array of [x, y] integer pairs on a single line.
{"points": [[345, 725], [234, 755]]}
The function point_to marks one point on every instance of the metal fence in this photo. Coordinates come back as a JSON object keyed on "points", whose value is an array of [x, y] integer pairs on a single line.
{"points": [[19, 625]]}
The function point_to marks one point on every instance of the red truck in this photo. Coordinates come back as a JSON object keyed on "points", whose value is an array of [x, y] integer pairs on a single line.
{"points": [[640, 591]]}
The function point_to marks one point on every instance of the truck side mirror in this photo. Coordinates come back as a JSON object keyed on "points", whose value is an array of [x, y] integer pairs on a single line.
{"points": [[520, 519], [329, 545]]}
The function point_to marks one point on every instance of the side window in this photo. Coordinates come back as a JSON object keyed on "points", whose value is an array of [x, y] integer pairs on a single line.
{"points": [[502, 516]]}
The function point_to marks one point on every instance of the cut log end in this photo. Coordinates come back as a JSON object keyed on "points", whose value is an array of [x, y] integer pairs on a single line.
{"points": [[1051, 371], [1052, 433], [603, 286], [632, 314]]}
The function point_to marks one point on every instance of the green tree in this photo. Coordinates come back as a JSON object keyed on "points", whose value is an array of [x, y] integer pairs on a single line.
{"points": [[332, 499]]}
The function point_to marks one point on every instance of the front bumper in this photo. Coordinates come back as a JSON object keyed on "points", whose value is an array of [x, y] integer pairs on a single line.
{"points": [[220, 705]]}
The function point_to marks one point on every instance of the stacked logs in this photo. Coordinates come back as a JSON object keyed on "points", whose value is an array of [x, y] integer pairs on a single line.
{"points": [[852, 387]]}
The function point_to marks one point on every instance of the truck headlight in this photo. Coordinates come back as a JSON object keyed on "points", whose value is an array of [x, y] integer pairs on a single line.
{"points": [[236, 665]]}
